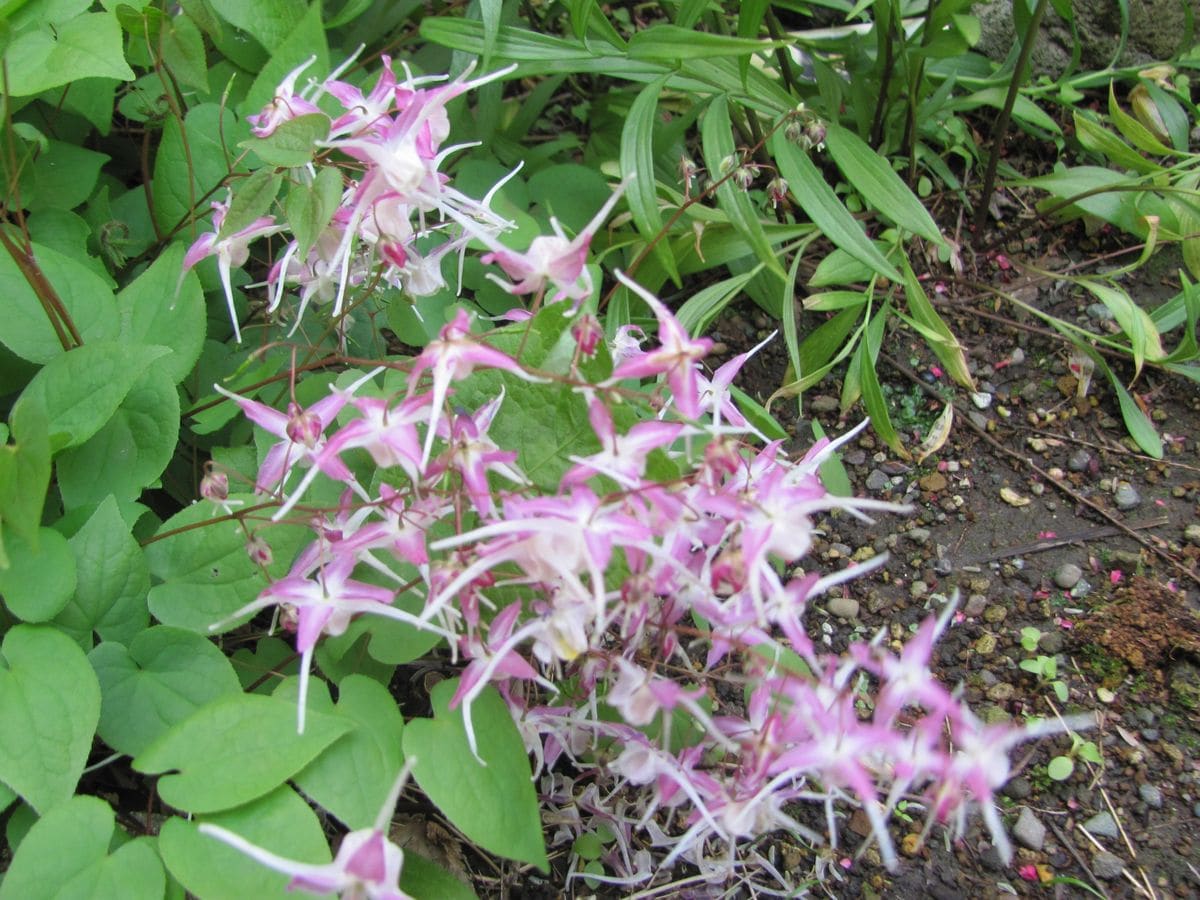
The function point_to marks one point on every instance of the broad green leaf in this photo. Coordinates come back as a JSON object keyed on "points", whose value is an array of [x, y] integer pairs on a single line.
{"points": [[65, 854], [872, 177], [86, 46], [839, 267], [191, 163], [304, 40], [132, 449], [493, 803], [814, 195], [234, 750], [268, 21], [637, 160], [293, 143], [81, 390], [110, 598], [940, 338], [252, 198], [182, 49], [1100, 192], [1134, 131], [25, 328], [422, 878], [1134, 321], [24, 476], [163, 307], [1137, 423], [39, 579], [717, 139], [164, 676], [280, 822], [310, 207], [49, 707], [62, 176], [350, 778], [205, 572], [669, 42], [1024, 109]]}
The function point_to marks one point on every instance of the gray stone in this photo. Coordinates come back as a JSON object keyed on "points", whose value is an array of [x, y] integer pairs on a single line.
{"points": [[1126, 496], [842, 607], [878, 481], [1018, 788], [823, 403], [1029, 832], [1150, 794], [1031, 391], [976, 604], [1192, 534], [918, 535], [978, 419], [1082, 588], [1107, 866], [1050, 643], [1079, 460], [1102, 824], [1067, 576], [1151, 735]]}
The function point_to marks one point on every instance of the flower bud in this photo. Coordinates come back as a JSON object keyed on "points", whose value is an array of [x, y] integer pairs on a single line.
{"points": [[587, 332], [303, 427], [214, 486], [259, 551], [777, 190]]}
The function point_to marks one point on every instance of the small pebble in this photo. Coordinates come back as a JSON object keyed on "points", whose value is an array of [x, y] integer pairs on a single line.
{"points": [[918, 535], [842, 607], [995, 614], [1102, 824], [1079, 460], [1151, 734], [1029, 832], [1150, 795], [1050, 643], [823, 403], [976, 604], [1107, 866], [1017, 357], [1192, 534], [1082, 589], [1018, 788], [1067, 576], [1126, 496], [981, 399], [878, 481], [1031, 391]]}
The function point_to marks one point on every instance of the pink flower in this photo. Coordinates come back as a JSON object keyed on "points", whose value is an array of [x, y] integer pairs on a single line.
{"points": [[286, 105], [676, 356]]}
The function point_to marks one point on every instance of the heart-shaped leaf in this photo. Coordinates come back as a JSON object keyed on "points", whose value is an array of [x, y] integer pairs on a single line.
{"points": [[39, 581], [164, 676], [234, 750], [65, 854], [493, 803], [49, 707]]}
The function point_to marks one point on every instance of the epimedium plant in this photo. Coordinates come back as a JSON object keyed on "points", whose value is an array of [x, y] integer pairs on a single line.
{"points": [[582, 528]]}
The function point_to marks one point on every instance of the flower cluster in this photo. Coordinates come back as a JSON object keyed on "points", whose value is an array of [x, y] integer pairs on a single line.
{"points": [[607, 604], [399, 216]]}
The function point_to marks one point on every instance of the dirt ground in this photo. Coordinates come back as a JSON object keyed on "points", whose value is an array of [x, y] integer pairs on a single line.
{"points": [[1041, 514]]}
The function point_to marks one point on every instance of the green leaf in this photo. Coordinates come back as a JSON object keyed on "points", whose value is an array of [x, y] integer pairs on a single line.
{"points": [[878, 183], [310, 207], [165, 308], [1060, 768], [280, 822], [304, 40], [1100, 140], [637, 160], [422, 878], [24, 475], [234, 750], [113, 579], [252, 198], [814, 195], [62, 176], [49, 707], [132, 449], [493, 804], [702, 307], [192, 161], [65, 854], [87, 46], [1144, 339], [268, 21], [25, 328], [671, 42], [293, 143], [938, 335], [164, 676], [350, 777], [81, 390], [717, 139], [1134, 131], [205, 572], [1137, 423], [39, 579]]}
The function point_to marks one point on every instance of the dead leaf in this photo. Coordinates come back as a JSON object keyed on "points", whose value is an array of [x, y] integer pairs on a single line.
{"points": [[1012, 498], [937, 436]]}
